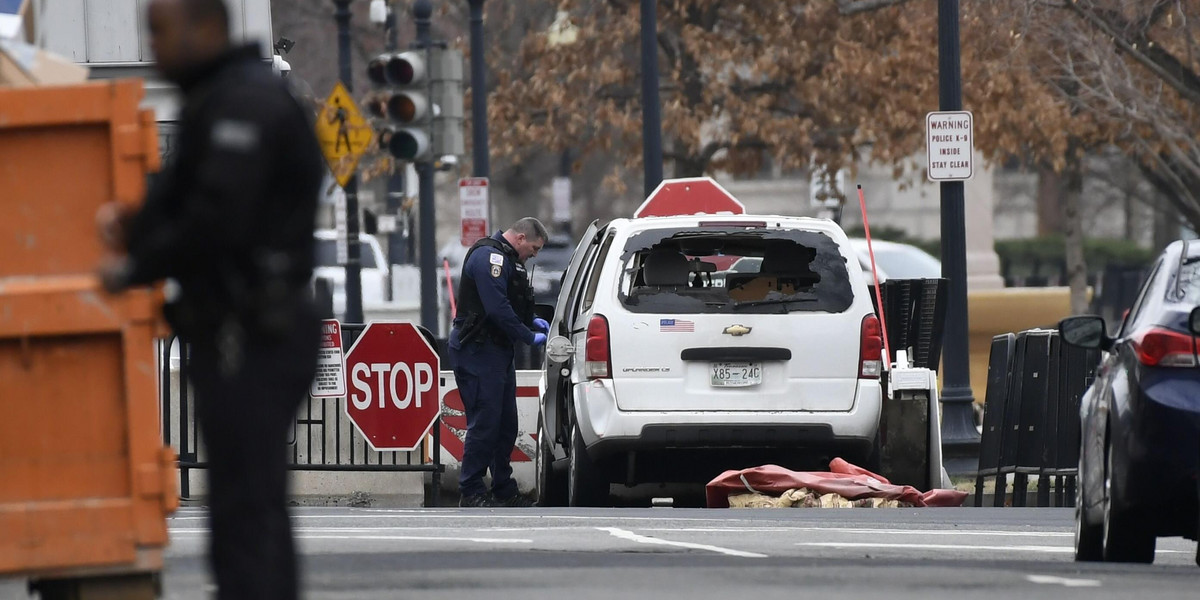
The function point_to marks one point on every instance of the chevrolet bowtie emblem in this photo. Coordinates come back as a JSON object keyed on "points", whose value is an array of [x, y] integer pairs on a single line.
{"points": [[737, 330]]}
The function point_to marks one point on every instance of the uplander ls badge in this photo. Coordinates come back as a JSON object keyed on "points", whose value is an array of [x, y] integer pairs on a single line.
{"points": [[737, 330]]}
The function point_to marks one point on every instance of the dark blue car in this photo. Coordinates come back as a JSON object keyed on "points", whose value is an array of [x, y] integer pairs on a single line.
{"points": [[1140, 437]]}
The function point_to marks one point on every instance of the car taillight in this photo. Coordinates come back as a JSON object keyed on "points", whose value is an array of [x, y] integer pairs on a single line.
{"points": [[1164, 348], [597, 361], [870, 349]]}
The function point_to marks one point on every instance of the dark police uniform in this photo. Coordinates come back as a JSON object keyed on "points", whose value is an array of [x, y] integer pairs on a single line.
{"points": [[231, 219], [495, 309]]}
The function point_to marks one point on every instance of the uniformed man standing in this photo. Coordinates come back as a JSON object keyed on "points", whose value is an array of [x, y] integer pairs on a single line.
{"points": [[495, 312], [231, 220]]}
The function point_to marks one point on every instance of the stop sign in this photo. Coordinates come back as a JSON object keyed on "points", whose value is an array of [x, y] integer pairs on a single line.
{"points": [[695, 195], [393, 399]]}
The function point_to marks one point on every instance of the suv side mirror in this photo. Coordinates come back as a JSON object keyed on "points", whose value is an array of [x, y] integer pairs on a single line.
{"points": [[1085, 332], [1194, 321]]}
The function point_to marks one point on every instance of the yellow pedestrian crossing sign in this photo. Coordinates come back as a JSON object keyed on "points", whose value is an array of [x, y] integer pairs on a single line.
{"points": [[343, 133]]}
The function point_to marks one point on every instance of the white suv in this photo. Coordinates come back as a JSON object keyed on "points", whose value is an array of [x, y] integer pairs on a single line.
{"points": [[667, 365], [373, 271]]}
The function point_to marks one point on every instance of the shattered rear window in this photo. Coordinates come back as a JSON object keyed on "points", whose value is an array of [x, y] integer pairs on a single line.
{"points": [[733, 270]]}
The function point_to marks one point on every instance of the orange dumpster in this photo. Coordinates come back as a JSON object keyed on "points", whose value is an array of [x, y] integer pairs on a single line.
{"points": [[85, 480]]}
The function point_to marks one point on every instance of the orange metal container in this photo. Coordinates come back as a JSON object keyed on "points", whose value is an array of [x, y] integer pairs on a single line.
{"points": [[85, 480]]}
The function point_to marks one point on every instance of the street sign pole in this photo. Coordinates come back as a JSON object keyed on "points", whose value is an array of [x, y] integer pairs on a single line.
{"points": [[651, 107], [422, 10], [354, 312], [960, 439]]}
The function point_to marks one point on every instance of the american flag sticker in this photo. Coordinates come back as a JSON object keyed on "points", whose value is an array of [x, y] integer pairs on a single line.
{"points": [[676, 325]]}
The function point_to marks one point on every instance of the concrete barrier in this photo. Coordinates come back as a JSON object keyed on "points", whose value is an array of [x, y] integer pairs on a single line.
{"points": [[994, 312]]}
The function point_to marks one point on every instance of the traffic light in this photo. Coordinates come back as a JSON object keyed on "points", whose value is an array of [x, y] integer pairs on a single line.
{"points": [[446, 89], [404, 103], [421, 98]]}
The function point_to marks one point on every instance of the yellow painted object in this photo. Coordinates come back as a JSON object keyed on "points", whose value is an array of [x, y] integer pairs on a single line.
{"points": [[993, 312], [85, 480]]}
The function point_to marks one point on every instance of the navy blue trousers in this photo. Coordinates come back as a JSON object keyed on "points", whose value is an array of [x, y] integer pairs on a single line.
{"points": [[487, 383]]}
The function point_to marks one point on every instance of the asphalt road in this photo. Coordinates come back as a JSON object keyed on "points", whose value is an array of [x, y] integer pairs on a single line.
{"points": [[691, 553]]}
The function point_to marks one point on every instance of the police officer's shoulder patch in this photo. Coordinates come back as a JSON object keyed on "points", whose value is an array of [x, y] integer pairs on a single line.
{"points": [[496, 259], [496, 270]]}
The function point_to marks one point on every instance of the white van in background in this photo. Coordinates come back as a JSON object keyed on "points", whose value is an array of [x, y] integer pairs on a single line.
{"points": [[374, 270]]}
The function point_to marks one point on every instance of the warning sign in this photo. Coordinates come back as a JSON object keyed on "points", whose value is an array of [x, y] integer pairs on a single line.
{"points": [[330, 381], [951, 145], [343, 133], [473, 200]]}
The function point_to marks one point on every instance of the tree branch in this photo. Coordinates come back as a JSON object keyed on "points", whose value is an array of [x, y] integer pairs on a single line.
{"points": [[853, 7], [1150, 55]]}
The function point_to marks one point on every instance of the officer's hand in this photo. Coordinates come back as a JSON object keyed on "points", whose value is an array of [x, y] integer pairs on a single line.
{"points": [[111, 219], [539, 339], [541, 325], [114, 273]]}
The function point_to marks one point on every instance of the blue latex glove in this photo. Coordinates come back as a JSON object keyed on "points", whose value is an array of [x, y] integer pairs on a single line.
{"points": [[540, 324], [539, 339]]}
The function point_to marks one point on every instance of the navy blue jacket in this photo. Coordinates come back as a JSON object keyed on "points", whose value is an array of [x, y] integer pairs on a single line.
{"points": [[490, 270]]}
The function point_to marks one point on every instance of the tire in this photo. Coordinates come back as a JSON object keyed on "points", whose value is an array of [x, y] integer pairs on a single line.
{"points": [[551, 488], [873, 459], [1089, 536], [1126, 538], [584, 485]]}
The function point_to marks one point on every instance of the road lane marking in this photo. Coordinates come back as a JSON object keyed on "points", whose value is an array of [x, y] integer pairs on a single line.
{"points": [[415, 538], [979, 532], [366, 534], [496, 516], [641, 539], [1063, 581], [493, 516], [1050, 549]]}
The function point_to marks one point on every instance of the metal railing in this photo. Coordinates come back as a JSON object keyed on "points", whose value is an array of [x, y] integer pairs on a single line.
{"points": [[322, 437]]}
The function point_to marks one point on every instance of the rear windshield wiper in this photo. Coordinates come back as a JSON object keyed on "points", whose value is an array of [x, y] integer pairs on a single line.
{"points": [[737, 305]]}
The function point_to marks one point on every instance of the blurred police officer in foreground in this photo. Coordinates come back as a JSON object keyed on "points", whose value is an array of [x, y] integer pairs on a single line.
{"points": [[231, 220], [495, 312]]}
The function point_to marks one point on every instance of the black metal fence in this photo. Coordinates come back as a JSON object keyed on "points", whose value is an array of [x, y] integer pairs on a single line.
{"points": [[322, 437], [1031, 416], [915, 311]]}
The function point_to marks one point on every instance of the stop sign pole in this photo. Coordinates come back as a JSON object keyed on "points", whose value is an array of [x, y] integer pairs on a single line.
{"points": [[394, 393]]}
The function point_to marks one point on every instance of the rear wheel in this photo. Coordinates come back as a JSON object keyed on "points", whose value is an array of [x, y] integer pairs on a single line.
{"points": [[551, 487], [873, 460], [584, 485], [1089, 535], [1126, 539]]}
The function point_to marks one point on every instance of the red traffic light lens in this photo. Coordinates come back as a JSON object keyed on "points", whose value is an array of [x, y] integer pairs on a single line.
{"points": [[377, 71], [399, 71], [402, 108]]}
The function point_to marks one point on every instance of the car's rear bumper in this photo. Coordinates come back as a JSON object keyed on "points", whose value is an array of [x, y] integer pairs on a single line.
{"points": [[606, 430]]}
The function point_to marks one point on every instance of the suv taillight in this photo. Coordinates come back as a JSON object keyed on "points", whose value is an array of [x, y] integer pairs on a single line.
{"points": [[1164, 348], [597, 359], [870, 349]]}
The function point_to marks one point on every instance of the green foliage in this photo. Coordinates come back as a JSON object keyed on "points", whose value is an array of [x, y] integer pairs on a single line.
{"points": [[1038, 256], [1046, 255]]}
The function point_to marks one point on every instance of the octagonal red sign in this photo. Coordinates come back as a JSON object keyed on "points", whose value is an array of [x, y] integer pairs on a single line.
{"points": [[393, 386], [689, 196]]}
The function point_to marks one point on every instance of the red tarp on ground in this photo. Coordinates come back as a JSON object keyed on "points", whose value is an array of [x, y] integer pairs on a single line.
{"points": [[846, 480]]}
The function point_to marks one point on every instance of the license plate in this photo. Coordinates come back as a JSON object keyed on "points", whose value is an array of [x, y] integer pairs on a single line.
{"points": [[735, 374]]}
